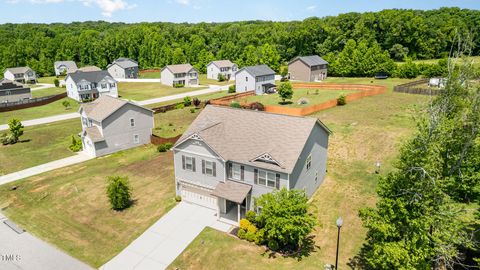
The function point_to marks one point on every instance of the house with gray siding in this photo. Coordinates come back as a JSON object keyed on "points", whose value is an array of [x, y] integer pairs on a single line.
{"points": [[229, 157], [111, 124], [82, 85], [13, 91], [182, 74], [123, 68], [64, 67], [307, 68], [258, 78], [224, 67], [21, 75]]}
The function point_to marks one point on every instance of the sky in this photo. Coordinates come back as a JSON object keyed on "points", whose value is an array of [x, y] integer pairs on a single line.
{"points": [[50, 11]]}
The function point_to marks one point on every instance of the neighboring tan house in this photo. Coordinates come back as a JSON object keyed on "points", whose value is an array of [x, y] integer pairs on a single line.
{"points": [[89, 68], [259, 78], [225, 67], [123, 68], [111, 124], [228, 157], [183, 74], [90, 85], [21, 75], [308, 68], [64, 67], [13, 91]]}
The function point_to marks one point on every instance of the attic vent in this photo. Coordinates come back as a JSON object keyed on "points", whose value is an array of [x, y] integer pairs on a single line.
{"points": [[196, 137], [267, 158]]}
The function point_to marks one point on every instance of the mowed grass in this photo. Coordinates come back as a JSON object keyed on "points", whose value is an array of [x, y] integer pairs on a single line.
{"points": [[174, 122], [142, 90], [313, 96], [149, 75], [48, 92], [49, 79], [202, 98], [69, 207], [205, 81], [364, 131], [50, 109], [39, 144]]}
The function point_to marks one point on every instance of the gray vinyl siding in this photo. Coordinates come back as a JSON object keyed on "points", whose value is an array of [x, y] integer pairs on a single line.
{"points": [[299, 71], [316, 145], [242, 84], [117, 71]]}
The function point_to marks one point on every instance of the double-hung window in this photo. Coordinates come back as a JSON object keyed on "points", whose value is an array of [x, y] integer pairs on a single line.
{"points": [[236, 172], [268, 179], [188, 163], [308, 162], [132, 122], [208, 167], [136, 138]]}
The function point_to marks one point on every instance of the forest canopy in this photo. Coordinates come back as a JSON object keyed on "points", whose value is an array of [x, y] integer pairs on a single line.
{"points": [[387, 35]]}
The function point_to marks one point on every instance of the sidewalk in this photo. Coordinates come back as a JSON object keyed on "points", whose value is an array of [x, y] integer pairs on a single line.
{"points": [[78, 158], [42, 86], [45, 120]]}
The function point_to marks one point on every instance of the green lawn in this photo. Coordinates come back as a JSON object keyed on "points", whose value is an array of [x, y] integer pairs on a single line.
{"points": [[149, 75], [200, 97], [69, 208], [40, 144], [175, 122], [142, 91], [204, 81], [49, 79], [51, 109], [364, 131], [476, 61], [48, 92]]}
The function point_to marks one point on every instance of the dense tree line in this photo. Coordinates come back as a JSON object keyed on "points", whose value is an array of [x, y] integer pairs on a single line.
{"points": [[374, 38]]}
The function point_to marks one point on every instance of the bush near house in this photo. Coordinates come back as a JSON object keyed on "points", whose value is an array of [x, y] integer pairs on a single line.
{"points": [[178, 85], [76, 143], [56, 82], [187, 101], [235, 104], [221, 77], [232, 89], [342, 100], [119, 192], [164, 147]]}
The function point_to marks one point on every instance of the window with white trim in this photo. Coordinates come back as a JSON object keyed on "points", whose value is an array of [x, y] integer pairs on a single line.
{"points": [[132, 122], [208, 167], [188, 163], [308, 162], [136, 138], [266, 178], [236, 172], [316, 176]]}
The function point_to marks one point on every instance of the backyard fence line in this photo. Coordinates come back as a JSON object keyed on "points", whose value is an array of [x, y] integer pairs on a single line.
{"points": [[411, 88], [157, 140], [30, 103]]}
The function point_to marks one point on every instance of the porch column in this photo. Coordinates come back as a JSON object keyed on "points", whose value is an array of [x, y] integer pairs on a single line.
{"points": [[238, 216]]}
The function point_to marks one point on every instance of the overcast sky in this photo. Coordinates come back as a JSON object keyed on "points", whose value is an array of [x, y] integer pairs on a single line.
{"points": [[47, 11]]}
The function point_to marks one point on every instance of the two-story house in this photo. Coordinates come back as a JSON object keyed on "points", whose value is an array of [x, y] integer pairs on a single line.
{"points": [[90, 85], [254, 78], [183, 74], [13, 91], [307, 68], [225, 67], [228, 157], [64, 67], [123, 68], [111, 124], [21, 75]]}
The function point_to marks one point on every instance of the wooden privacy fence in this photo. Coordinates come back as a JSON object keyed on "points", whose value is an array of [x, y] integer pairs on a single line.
{"points": [[226, 101], [29, 103], [412, 88], [156, 140]]}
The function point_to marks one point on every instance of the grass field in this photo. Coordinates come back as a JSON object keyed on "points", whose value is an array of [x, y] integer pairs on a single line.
{"points": [[49, 79], [142, 91], [200, 97], [40, 144], [48, 92], [204, 81], [149, 75], [175, 122], [69, 209], [51, 109], [364, 131], [309, 94], [475, 59]]}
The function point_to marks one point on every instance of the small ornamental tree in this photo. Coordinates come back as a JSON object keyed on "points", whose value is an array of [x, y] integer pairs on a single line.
{"points": [[196, 102], [75, 144], [119, 192], [16, 129], [187, 101], [66, 104], [285, 91], [56, 82], [285, 219]]}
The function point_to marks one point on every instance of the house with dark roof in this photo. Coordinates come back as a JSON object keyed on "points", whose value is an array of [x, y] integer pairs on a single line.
{"points": [[228, 157], [307, 68], [64, 67], [21, 75], [182, 74], [255, 78], [83, 86], [111, 124], [13, 91], [224, 67], [123, 68]]}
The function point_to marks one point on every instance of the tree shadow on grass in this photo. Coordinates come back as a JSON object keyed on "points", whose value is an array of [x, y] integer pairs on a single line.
{"points": [[306, 249], [358, 261], [288, 102]]}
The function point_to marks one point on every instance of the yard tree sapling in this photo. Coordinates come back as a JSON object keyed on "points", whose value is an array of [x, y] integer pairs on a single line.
{"points": [[285, 91], [119, 192], [16, 129], [56, 82], [75, 144], [66, 104]]}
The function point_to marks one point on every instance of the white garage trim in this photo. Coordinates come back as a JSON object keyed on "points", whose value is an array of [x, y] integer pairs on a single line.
{"points": [[198, 195]]}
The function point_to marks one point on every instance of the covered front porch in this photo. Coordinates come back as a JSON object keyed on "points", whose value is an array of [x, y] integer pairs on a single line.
{"points": [[233, 201]]}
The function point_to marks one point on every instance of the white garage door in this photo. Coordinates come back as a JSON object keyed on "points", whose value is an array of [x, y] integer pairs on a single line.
{"points": [[198, 196]]}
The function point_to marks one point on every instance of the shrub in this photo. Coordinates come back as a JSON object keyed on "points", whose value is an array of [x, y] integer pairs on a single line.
{"points": [[16, 129], [257, 106], [250, 236], [178, 85], [187, 101], [260, 237], [168, 145], [241, 233], [285, 91], [56, 82], [232, 88], [250, 216], [66, 104], [178, 198], [196, 102], [119, 192], [221, 77], [244, 223], [235, 104], [7, 139], [164, 147], [273, 244], [192, 110], [180, 106], [342, 100], [76, 144]]}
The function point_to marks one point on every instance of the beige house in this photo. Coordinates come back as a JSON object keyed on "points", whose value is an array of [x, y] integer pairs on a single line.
{"points": [[307, 68], [21, 75], [182, 74]]}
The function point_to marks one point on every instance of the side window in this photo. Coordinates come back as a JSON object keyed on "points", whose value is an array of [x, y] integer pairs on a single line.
{"points": [[316, 176], [136, 138], [308, 162], [132, 122], [246, 79]]}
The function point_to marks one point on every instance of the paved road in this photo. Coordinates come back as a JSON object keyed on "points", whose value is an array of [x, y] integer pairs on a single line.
{"points": [[26, 252], [160, 244], [42, 86], [79, 157]]}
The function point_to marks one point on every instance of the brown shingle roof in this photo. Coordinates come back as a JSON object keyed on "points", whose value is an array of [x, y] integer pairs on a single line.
{"points": [[243, 135], [102, 107], [94, 134], [181, 68], [222, 63], [232, 191]]}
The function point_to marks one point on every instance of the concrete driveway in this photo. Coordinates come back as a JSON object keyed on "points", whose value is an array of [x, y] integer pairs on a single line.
{"points": [[160, 244], [26, 252]]}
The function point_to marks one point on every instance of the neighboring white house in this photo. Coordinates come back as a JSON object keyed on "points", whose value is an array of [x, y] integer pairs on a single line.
{"points": [[13, 91], [64, 67], [183, 74], [21, 75], [259, 78], [225, 67], [111, 124], [90, 85], [123, 68], [228, 157]]}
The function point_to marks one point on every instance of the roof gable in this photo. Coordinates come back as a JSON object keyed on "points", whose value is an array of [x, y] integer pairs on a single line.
{"points": [[259, 70], [311, 60], [180, 68], [104, 106], [90, 76]]}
